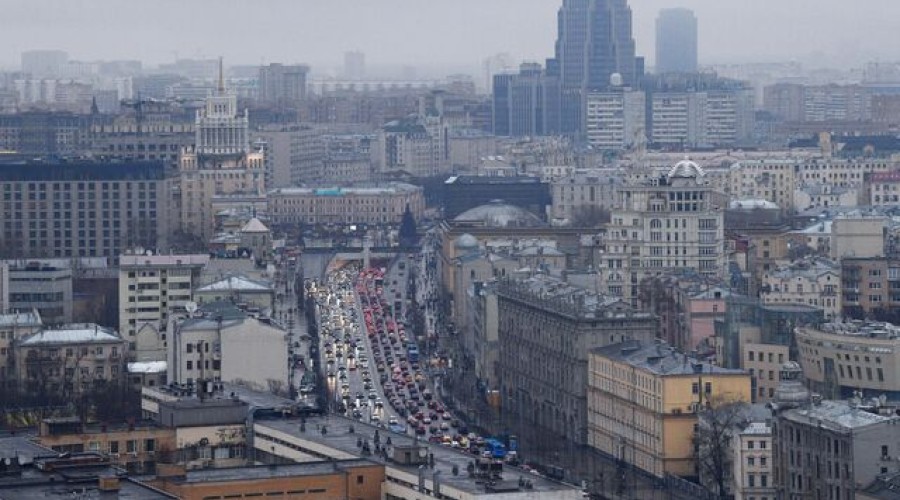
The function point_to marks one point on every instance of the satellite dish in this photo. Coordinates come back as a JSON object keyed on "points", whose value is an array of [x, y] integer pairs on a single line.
{"points": [[191, 307]]}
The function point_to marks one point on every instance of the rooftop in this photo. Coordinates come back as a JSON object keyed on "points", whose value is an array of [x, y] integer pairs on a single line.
{"points": [[74, 334], [126, 261], [235, 283], [30, 318], [858, 328], [147, 367], [254, 226], [500, 214], [373, 190], [757, 429], [660, 359], [836, 415], [82, 171], [276, 471], [553, 294], [339, 441]]}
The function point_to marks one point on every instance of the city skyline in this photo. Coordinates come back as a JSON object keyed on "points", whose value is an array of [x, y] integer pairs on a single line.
{"points": [[459, 34]]}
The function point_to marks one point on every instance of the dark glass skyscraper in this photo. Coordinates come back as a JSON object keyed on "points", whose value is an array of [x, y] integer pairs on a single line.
{"points": [[594, 42], [676, 41]]}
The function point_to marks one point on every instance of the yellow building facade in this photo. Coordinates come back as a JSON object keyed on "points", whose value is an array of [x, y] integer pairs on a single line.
{"points": [[643, 402]]}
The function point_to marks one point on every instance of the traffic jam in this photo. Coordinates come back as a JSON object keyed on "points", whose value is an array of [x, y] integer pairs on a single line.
{"points": [[375, 372]]}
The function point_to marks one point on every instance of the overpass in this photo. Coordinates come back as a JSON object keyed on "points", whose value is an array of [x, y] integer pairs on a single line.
{"points": [[316, 262]]}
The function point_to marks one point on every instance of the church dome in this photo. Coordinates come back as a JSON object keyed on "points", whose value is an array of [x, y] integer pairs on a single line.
{"points": [[686, 169], [466, 242], [499, 214]]}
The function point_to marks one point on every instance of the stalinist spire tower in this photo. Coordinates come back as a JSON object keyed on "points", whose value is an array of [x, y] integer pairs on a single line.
{"points": [[219, 128], [221, 167]]}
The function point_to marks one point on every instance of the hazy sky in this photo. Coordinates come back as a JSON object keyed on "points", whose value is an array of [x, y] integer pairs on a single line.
{"points": [[461, 32]]}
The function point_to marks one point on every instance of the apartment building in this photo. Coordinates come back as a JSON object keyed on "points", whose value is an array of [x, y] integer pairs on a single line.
{"points": [[41, 286], [378, 204], [582, 195], [814, 282], [222, 343], [76, 209], [615, 121], [753, 474], [673, 222], [70, 360], [870, 286], [839, 359], [832, 449], [546, 329], [151, 287], [643, 401], [14, 327]]}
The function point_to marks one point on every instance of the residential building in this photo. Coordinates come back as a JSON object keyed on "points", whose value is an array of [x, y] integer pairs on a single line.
{"points": [[45, 133], [414, 146], [687, 304], [221, 163], [348, 158], [485, 334], [71, 360], [676, 41], [616, 120], [41, 287], [763, 361], [144, 130], [546, 329], [13, 328], [75, 209], [883, 189], [753, 463], [237, 289], [832, 448], [580, 197], [857, 235], [841, 359], [814, 282], [380, 204], [820, 195], [671, 222], [221, 343], [135, 447], [151, 288], [870, 287], [293, 154], [644, 399], [282, 84]]}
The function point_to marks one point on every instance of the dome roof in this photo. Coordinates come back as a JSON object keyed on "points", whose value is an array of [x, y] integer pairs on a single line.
{"points": [[499, 214], [466, 241], [686, 169]]}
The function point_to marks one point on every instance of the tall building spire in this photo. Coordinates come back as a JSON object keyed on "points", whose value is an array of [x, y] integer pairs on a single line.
{"points": [[221, 76]]}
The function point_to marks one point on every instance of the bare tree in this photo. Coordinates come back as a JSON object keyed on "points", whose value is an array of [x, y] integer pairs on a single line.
{"points": [[590, 216], [718, 422]]}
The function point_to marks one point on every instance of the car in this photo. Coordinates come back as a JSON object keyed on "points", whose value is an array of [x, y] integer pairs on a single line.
{"points": [[379, 403], [357, 414], [375, 418], [373, 395], [426, 420], [420, 430], [445, 426]]}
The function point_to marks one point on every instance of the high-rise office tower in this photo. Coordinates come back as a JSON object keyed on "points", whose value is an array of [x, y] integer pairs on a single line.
{"points": [[676, 41], [594, 43], [282, 84]]}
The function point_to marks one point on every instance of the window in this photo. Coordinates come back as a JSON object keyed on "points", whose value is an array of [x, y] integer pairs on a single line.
{"points": [[131, 446], [695, 388], [751, 461], [751, 445], [762, 461], [762, 445], [360, 479], [190, 365], [751, 480], [114, 447]]}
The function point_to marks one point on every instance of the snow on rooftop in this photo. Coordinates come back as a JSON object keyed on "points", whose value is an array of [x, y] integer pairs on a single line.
{"points": [[254, 226], [148, 367], [239, 283], [73, 334], [30, 318]]}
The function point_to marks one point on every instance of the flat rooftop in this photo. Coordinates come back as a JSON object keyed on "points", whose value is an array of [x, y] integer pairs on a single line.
{"points": [[660, 359], [81, 482], [841, 416], [339, 439], [273, 471]]}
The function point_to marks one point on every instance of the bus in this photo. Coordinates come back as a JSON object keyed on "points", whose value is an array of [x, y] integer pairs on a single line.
{"points": [[496, 448], [412, 352]]}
